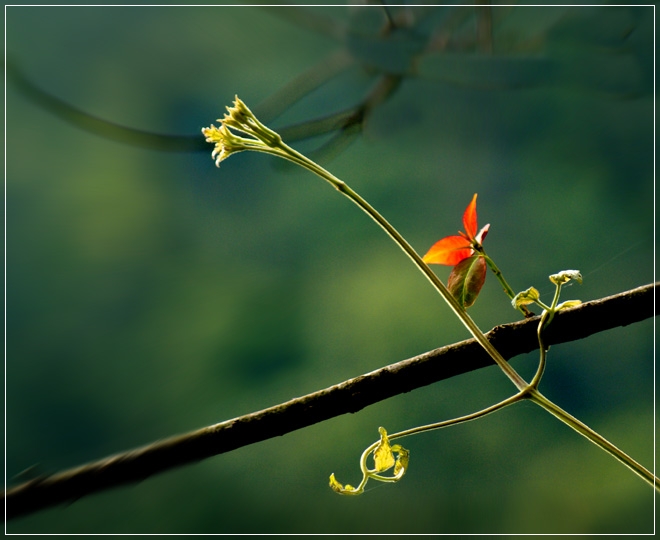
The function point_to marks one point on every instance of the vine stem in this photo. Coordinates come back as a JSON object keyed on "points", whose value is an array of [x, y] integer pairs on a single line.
{"points": [[600, 441], [525, 390], [500, 277], [543, 348], [268, 141], [294, 156], [461, 419], [367, 474], [539, 399]]}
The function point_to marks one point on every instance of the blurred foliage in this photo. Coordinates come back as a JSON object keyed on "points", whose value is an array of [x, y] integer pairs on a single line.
{"points": [[149, 293]]}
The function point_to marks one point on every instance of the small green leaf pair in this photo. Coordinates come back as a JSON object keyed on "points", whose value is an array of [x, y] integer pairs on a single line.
{"points": [[532, 296]]}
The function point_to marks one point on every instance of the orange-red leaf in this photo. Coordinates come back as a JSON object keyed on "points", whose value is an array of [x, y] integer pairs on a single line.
{"points": [[450, 251], [466, 280], [470, 218]]}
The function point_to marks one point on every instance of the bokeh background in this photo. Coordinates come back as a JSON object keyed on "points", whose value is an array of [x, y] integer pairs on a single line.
{"points": [[150, 293]]}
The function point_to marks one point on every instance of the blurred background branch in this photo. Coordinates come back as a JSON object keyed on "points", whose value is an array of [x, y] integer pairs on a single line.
{"points": [[347, 397]]}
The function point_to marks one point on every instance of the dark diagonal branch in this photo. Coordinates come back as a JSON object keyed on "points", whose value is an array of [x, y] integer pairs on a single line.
{"points": [[347, 397]]}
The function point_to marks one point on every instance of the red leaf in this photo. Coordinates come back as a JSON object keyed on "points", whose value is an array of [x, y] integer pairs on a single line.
{"points": [[450, 251], [466, 280], [470, 218]]}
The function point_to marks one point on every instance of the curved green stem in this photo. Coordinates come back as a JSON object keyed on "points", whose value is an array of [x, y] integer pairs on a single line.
{"points": [[461, 419], [543, 348], [500, 277], [526, 391], [546, 317], [369, 473], [294, 156], [584, 430], [268, 141]]}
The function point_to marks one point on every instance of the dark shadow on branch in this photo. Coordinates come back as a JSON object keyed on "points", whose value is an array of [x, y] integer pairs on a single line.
{"points": [[347, 397]]}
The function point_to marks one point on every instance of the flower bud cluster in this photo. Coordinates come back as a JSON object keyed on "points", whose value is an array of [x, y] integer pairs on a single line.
{"points": [[240, 118]]}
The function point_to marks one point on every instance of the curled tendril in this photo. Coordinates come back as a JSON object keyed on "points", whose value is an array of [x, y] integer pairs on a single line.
{"points": [[383, 457]]}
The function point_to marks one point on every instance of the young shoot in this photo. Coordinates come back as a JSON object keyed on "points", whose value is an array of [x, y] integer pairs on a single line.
{"points": [[240, 130]]}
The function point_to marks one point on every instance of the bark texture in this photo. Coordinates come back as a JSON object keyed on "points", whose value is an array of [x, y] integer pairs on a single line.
{"points": [[347, 397]]}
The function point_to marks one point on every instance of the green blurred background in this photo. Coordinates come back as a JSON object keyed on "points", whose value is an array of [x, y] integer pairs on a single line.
{"points": [[149, 293]]}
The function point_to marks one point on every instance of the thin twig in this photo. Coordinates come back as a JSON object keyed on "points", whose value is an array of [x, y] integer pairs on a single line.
{"points": [[348, 397]]}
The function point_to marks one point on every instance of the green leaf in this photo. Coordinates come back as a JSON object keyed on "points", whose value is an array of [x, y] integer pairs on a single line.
{"points": [[524, 298], [384, 459], [466, 279], [403, 457], [565, 276], [383, 456]]}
